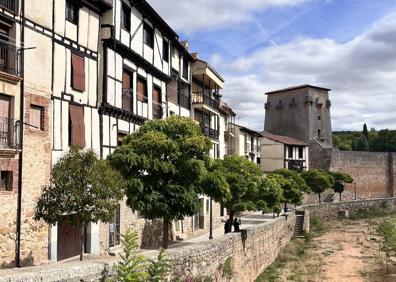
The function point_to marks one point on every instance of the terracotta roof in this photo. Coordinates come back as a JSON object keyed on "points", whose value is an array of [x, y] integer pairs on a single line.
{"points": [[297, 87], [283, 139]]}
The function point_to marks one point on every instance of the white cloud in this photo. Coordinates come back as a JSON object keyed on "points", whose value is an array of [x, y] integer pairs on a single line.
{"points": [[361, 73], [188, 16]]}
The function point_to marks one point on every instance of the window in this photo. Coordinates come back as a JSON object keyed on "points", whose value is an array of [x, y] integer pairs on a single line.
{"points": [[165, 51], [126, 17], [185, 68], [300, 152], [36, 117], [157, 100], [76, 126], [172, 113], [290, 152], [127, 89], [148, 35], [78, 73], [142, 90], [6, 181], [319, 133], [120, 138], [319, 117], [71, 11]]}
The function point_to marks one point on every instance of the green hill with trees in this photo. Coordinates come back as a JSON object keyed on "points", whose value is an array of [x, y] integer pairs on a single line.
{"points": [[369, 141]]}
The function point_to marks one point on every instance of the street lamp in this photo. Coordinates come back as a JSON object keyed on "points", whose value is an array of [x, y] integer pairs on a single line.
{"points": [[210, 220]]}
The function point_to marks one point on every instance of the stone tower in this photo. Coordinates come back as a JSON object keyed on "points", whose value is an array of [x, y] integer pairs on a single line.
{"points": [[302, 112]]}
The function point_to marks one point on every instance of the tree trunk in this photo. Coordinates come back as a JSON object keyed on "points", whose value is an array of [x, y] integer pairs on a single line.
{"points": [[320, 200], [165, 234], [285, 209], [340, 197], [82, 242]]}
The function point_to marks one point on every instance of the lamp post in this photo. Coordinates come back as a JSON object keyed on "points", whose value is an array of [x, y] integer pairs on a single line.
{"points": [[210, 221]]}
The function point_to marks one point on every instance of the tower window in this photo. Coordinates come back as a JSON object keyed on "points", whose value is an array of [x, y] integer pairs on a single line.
{"points": [[319, 133]]}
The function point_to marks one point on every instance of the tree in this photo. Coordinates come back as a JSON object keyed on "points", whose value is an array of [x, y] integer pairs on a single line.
{"points": [[318, 180], [270, 194], [242, 177], [340, 180], [293, 188], [361, 144], [365, 132], [82, 190], [163, 164]]}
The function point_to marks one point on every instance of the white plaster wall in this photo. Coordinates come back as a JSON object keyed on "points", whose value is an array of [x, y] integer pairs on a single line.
{"points": [[39, 11]]}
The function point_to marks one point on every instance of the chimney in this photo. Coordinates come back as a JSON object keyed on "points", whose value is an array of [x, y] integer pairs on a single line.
{"points": [[195, 55], [185, 44]]}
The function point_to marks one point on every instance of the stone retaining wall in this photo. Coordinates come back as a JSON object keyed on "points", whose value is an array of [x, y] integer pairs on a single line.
{"points": [[251, 252], [330, 210]]}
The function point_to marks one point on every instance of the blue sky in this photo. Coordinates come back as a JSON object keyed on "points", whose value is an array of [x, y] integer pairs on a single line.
{"points": [[262, 45]]}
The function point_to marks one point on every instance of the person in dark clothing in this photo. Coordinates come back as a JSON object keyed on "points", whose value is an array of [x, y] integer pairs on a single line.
{"points": [[226, 227], [237, 223]]}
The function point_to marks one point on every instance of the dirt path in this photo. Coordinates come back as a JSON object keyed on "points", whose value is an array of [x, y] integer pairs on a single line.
{"points": [[348, 251]]}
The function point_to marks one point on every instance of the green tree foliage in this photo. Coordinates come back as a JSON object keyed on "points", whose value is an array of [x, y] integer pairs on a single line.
{"points": [[163, 164], [82, 190], [159, 269], [293, 188], [270, 194], [340, 180], [377, 141], [242, 177], [365, 131], [132, 267], [318, 180], [385, 141], [361, 144]]}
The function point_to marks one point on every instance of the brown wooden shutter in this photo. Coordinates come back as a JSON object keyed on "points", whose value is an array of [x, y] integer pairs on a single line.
{"points": [[142, 90], [78, 72], [36, 117], [77, 125], [157, 95], [4, 106], [127, 97]]}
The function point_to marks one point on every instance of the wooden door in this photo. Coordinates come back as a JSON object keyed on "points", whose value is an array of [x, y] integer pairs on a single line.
{"points": [[68, 240]]}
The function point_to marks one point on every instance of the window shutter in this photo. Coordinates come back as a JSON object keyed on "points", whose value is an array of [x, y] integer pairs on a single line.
{"points": [[156, 95], [142, 90], [127, 97], [35, 117], [77, 125], [78, 72]]}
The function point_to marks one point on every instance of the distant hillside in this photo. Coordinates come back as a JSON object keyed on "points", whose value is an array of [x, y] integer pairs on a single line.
{"points": [[378, 141]]}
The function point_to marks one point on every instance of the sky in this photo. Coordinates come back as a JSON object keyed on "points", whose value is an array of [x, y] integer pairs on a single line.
{"points": [[348, 46]]}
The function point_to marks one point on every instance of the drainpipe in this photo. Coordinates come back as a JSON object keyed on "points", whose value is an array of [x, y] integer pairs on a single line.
{"points": [[21, 122]]}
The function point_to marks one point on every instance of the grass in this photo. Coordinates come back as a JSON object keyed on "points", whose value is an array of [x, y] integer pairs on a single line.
{"points": [[372, 212], [294, 252]]}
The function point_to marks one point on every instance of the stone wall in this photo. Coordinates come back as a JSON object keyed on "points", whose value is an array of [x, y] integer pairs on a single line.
{"points": [[251, 251], [330, 210], [373, 173]]}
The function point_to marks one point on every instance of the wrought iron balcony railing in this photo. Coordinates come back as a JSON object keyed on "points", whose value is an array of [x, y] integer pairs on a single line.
{"points": [[8, 133], [8, 59], [205, 98], [210, 132], [9, 5]]}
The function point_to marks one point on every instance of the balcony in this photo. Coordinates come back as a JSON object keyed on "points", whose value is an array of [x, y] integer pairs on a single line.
{"points": [[206, 99], [8, 133], [210, 132], [157, 111], [10, 5], [8, 59]]}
